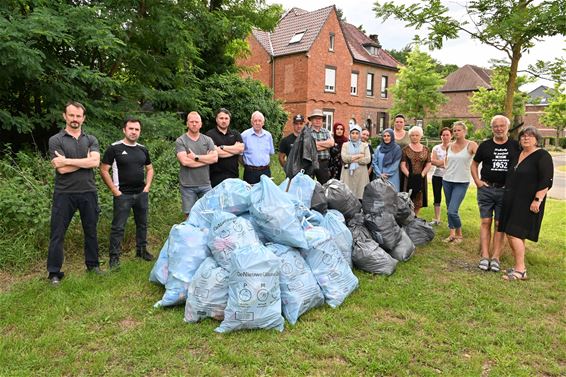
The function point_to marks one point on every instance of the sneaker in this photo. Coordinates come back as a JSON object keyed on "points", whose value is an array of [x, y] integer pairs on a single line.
{"points": [[54, 280], [94, 270], [144, 254], [484, 264], [114, 263]]}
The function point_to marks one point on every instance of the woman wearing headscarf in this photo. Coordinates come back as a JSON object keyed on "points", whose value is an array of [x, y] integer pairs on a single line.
{"points": [[356, 157], [387, 157], [335, 162]]}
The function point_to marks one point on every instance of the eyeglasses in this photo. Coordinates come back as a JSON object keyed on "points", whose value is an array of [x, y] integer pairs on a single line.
{"points": [[526, 135]]}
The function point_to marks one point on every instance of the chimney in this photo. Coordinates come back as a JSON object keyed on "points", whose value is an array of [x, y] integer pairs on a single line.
{"points": [[374, 38]]}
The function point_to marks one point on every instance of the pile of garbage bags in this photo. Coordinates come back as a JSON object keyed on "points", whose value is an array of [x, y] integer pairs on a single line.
{"points": [[253, 257]]}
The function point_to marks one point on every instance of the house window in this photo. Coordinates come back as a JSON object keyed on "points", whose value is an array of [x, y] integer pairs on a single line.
{"points": [[382, 119], [372, 50], [369, 85], [354, 84], [384, 81], [328, 119], [331, 42], [297, 37], [330, 79]]}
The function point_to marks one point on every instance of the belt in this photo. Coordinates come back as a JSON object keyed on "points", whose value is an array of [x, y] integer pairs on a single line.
{"points": [[494, 184], [323, 159], [256, 167]]}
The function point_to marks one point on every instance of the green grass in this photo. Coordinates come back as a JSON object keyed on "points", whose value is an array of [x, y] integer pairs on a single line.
{"points": [[437, 314]]}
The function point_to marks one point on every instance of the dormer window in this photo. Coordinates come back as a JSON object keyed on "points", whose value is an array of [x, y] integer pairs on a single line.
{"points": [[371, 49], [297, 37]]}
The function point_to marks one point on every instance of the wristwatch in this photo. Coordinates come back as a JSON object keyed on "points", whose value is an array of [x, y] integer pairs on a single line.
{"points": [[222, 147], [536, 199], [196, 158]]}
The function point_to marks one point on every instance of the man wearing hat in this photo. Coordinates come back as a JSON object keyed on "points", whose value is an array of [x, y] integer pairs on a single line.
{"points": [[287, 142], [324, 142]]}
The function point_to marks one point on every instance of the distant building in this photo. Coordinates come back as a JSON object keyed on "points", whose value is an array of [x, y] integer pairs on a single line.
{"points": [[313, 60], [538, 101]]}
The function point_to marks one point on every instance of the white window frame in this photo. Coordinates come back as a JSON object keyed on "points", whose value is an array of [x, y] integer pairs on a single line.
{"points": [[354, 83], [384, 87], [328, 120], [370, 84], [331, 41], [330, 79], [297, 37]]}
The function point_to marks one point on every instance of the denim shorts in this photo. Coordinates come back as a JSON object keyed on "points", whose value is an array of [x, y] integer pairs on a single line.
{"points": [[490, 202], [190, 195]]}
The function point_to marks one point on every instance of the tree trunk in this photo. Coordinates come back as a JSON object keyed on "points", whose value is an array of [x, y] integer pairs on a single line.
{"points": [[511, 84]]}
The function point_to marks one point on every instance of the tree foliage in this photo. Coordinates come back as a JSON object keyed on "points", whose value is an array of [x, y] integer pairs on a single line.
{"points": [[416, 92], [511, 26], [490, 102], [401, 57], [555, 112], [117, 56]]}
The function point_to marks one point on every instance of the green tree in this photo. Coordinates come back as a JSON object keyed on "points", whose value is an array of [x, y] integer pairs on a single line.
{"points": [[490, 102], [416, 92], [401, 57], [511, 26], [555, 113]]}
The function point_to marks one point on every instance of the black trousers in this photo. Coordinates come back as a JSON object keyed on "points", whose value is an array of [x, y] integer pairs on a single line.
{"points": [[252, 175], [64, 207], [323, 172], [122, 206]]}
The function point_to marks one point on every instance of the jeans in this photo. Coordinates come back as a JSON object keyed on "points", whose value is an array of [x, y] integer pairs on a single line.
{"points": [[64, 207], [454, 193], [122, 206], [190, 195]]}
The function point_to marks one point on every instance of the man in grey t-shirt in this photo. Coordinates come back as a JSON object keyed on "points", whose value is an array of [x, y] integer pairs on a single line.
{"points": [[195, 153]]}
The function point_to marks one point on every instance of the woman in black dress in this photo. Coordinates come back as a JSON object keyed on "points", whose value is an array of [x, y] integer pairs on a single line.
{"points": [[335, 163], [528, 181]]}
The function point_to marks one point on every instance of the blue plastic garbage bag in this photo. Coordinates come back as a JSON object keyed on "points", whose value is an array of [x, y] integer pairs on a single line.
{"points": [[275, 214], [301, 187], [160, 269], [208, 292], [248, 216], [334, 222], [227, 234], [331, 271], [299, 290], [314, 217], [231, 195], [187, 250], [254, 295]]}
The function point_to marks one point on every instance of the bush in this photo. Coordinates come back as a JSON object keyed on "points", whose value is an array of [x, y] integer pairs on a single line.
{"points": [[432, 129], [562, 142]]}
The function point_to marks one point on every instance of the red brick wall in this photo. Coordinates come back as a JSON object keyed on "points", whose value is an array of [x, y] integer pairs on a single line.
{"points": [[259, 61], [457, 107]]}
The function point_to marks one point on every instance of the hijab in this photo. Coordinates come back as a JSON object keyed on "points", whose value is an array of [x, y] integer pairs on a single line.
{"points": [[391, 151], [354, 147], [340, 139]]}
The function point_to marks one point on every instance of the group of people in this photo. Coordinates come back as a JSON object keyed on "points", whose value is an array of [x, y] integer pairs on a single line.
{"points": [[510, 173]]}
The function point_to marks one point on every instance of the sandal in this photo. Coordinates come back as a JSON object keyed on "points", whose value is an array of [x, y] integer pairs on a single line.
{"points": [[494, 265], [484, 264], [516, 275], [458, 240], [449, 239]]}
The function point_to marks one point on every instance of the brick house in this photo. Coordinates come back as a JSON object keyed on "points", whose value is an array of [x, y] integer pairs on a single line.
{"points": [[313, 60], [460, 86], [538, 101]]}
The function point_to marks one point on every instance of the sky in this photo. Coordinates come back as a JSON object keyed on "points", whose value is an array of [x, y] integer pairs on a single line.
{"points": [[394, 35]]}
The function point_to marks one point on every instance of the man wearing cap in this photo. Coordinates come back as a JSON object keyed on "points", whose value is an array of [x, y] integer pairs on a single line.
{"points": [[258, 147], [229, 145], [324, 141], [287, 142]]}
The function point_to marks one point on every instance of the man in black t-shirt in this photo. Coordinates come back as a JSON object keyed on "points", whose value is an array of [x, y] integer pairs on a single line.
{"points": [[286, 143], [496, 156], [229, 146], [129, 161]]}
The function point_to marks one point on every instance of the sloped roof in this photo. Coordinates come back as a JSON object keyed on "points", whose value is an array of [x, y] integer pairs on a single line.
{"points": [[467, 78], [356, 41], [539, 95], [292, 22]]}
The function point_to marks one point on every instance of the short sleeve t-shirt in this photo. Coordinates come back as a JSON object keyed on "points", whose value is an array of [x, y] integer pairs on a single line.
{"points": [[287, 143], [496, 159], [81, 180], [128, 162], [194, 177], [225, 167], [441, 155]]}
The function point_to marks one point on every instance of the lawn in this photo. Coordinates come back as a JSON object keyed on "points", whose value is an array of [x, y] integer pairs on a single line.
{"points": [[437, 314]]}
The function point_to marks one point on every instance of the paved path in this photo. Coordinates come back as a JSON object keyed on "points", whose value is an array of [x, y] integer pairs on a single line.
{"points": [[558, 190]]}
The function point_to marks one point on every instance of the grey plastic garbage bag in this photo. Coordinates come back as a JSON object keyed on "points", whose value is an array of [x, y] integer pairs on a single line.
{"points": [[379, 196], [299, 290], [419, 231], [331, 271], [231, 195], [369, 257], [254, 295], [340, 197], [227, 234], [275, 214], [404, 248], [334, 222], [207, 293], [405, 208], [186, 251], [160, 269], [358, 229], [383, 228], [318, 200], [301, 187]]}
